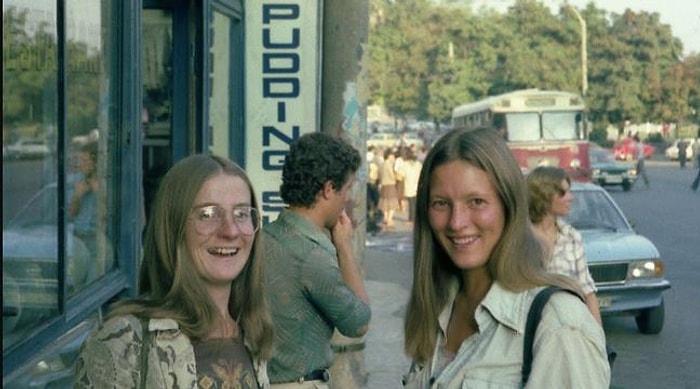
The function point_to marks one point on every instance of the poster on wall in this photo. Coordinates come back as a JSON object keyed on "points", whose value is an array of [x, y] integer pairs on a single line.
{"points": [[283, 71]]}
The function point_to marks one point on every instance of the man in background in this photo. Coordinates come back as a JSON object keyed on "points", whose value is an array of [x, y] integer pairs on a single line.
{"points": [[314, 284]]}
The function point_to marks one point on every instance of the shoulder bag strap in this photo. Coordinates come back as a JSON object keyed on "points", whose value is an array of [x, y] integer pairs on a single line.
{"points": [[533, 319], [145, 347]]}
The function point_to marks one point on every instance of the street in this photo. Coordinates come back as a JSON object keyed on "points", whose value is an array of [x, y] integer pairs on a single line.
{"points": [[668, 214]]}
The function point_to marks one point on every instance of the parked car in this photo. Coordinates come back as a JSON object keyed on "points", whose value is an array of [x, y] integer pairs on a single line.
{"points": [[626, 267], [671, 151], [607, 171], [26, 148], [626, 150], [383, 140]]}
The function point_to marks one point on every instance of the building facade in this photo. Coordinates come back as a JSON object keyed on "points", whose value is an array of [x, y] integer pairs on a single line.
{"points": [[100, 98]]}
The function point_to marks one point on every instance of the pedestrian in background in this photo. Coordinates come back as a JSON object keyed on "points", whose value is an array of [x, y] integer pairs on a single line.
{"points": [[83, 199], [400, 174], [313, 280], [550, 199], [373, 164], [477, 268], [411, 168], [641, 168], [201, 319], [696, 153], [682, 152], [388, 194]]}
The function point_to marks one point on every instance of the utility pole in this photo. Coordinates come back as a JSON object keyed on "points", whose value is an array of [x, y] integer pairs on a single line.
{"points": [[344, 93], [584, 54]]}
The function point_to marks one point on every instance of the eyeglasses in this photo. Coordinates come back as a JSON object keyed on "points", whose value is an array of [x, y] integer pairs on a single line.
{"points": [[209, 218]]}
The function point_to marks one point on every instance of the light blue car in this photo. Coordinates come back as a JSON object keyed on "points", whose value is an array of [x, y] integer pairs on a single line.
{"points": [[627, 267]]}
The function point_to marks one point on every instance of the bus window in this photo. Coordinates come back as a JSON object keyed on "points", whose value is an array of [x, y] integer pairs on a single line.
{"points": [[500, 124], [523, 127], [559, 126]]}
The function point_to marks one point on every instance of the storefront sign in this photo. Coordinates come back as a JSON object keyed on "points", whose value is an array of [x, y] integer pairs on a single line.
{"points": [[282, 89]]}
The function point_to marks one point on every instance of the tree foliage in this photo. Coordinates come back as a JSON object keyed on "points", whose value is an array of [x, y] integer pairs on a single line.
{"points": [[428, 57], [30, 67]]}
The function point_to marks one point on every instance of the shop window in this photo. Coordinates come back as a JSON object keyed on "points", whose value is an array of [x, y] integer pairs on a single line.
{"points": [[53, 216]]}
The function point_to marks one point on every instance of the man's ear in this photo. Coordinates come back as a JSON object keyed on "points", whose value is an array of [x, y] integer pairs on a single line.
{"points": [[328, 189]]}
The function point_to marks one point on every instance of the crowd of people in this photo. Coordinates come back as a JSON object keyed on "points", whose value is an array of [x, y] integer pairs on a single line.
{"points": [[226, 302], [392, 184]]}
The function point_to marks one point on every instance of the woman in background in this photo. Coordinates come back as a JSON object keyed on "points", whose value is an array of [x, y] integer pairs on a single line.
{"points": [[551, 199]]}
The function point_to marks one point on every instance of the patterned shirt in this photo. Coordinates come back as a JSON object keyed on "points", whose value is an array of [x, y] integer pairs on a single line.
{"points": [[224, 363], [308, 297], [569, 258], [568, 349], [111, 357]]}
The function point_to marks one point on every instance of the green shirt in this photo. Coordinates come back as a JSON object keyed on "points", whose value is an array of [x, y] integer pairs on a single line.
{"points": [[307, 296]]}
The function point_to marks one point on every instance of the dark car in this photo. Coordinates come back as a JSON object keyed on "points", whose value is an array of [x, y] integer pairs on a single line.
{"points": [[626, 267], [607, 171]]}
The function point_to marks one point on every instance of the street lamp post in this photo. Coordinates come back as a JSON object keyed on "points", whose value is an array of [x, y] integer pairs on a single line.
{"points": [[584, 55]]}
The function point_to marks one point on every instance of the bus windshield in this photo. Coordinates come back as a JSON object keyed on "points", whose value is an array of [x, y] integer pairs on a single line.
{"points": [[556, 126]]}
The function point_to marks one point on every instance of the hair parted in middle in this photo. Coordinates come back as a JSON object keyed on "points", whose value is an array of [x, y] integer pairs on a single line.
{"points": [[516, 261], [170, 285]]}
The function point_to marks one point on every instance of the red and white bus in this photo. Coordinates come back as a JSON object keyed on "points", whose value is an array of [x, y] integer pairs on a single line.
{"points": [[541, 127]]}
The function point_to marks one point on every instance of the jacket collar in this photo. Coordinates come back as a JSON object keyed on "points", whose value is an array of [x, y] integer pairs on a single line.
{"points": [[501, 305]]}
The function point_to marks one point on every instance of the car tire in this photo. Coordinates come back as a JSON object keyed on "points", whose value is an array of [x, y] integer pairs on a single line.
{"points": [[626, 186], [651, 320]]}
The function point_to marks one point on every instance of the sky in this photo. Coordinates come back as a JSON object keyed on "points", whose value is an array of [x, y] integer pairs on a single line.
{"points": [[682, 15]]}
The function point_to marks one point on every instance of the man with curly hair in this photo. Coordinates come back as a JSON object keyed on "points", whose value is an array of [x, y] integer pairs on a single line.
{"points": [[314, 284]]}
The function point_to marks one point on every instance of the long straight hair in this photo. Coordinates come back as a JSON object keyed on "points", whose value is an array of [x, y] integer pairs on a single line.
{"points": [[516, 260], [169, 284]]}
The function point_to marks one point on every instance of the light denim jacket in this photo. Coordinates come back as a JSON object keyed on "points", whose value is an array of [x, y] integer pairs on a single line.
{"points": [[111, 357], [569, 346]]}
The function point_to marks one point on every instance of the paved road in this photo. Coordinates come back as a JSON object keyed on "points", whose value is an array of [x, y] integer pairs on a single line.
{"points": [[644, 362]]}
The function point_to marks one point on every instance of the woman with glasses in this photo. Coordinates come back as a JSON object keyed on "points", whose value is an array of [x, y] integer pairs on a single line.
{"points": [[550, 198], [200, 319]]}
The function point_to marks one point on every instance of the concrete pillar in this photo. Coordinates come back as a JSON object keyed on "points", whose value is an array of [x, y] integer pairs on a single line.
{"points": [[344, 92]]}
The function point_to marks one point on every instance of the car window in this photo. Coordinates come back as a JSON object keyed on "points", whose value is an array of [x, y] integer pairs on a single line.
{"points": [[595, 210]]}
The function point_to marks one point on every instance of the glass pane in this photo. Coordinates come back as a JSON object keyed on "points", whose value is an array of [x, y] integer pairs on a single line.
{"points": [[29, 198], [560, 126], [220, 81], [90, 137], [523, 127], [157, 70]]}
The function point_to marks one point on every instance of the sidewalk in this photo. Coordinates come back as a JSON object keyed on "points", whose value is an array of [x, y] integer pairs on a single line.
{"points": [[388, 268]]}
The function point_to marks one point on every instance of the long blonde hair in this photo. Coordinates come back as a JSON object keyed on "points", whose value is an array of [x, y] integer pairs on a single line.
{"points": [[516, 260], [169, 285]]}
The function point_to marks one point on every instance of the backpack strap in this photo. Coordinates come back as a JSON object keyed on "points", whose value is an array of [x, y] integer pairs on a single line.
{"points": [[533, 319]]}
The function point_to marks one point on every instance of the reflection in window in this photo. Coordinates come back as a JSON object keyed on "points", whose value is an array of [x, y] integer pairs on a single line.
{"points": [[31, 156], [89, 126], [30, 205]]}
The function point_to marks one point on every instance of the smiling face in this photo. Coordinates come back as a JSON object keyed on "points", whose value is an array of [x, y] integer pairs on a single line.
{"points": [[221, 254], [465, 213]]}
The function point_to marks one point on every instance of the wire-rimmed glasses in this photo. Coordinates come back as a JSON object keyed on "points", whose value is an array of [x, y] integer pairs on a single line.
{"points": [[209, 218]]}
